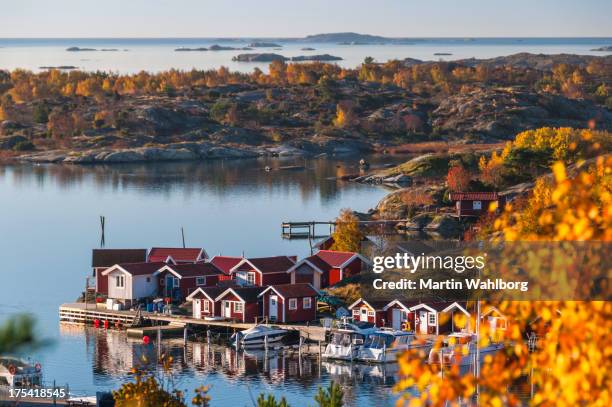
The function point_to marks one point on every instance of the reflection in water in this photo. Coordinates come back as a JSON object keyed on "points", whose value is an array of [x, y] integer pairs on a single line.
{"points": [[218, 176], [234, 375]]}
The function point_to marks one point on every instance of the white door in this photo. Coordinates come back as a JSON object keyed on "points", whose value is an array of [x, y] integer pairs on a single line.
{"points": [[227, 309], [197, 309], [397, 319], [364, 315], [273, 313], [423, 322]]}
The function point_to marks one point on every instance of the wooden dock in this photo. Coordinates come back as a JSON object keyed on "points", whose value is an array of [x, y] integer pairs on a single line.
{"points": [[305, 230], [81, 313]]}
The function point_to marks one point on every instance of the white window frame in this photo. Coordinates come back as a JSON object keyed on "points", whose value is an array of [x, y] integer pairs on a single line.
{"points": [[477, 205], [176, 283], [238, 307], [200, 281], [206, 305], [120, 281], [356, 312], [431, 316], [250, 278], [306, 303], [371, 313], [292, 304]]}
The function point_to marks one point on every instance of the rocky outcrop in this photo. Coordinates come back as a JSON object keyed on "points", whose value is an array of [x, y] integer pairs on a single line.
{"points": [[323, 58], [9, 142], [503, 112], [606, 48], [265, 57]]}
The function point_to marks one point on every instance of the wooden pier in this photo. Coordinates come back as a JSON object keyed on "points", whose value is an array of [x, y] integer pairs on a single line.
{"points": [[80, 313], [305, 230]]}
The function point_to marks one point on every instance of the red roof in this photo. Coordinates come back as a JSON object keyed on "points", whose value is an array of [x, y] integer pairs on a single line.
{"points": [[334, 258], [178, 254], [297, 290], [225, 263], [269, 264], [195, 269], [141, 269], [474, 196]]}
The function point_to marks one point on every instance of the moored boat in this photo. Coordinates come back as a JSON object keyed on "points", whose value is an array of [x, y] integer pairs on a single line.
{"points": [[259, 336], [347, 339], [15, 372], [384, 346]]}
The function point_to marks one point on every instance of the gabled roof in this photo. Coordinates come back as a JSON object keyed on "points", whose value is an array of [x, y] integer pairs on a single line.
{"points": [[110, 257], [492, 310], [292, 290], [405, 305], [136, 269], [325, 260], [474, 196], [431, 306], [246, 294], [459, 306], [376, 305], [191, 270], [265, 265], [225, 263], [178, 254], [209, 292]]}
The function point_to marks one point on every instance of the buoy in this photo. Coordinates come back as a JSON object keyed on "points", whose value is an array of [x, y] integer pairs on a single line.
{"points": [[146, 339], [38, 367], [97, 323], [105, 324], [12, 369]]}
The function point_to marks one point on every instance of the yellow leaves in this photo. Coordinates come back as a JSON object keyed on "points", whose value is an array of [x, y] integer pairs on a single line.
{"points": [[347, 234], [559, 171]]}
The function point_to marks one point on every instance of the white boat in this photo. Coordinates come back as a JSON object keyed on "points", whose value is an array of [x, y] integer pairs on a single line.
{"points": [[384, 346], [347, 339], [460, 349], [258, 337], [16, 372]]}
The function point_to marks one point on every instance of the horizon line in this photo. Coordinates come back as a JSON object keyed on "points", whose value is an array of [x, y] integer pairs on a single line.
{"points": [[303, 37]]}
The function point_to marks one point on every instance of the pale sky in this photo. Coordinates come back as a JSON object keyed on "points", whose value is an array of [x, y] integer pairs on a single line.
{"points": [[274, 18]]}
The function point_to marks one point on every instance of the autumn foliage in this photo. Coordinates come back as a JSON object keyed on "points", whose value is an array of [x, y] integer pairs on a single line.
{"points": [[569, 363], [347, 235]]}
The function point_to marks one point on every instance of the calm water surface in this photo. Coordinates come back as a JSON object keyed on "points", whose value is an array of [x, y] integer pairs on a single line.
{"points": [[157, 54], [49, 222]]}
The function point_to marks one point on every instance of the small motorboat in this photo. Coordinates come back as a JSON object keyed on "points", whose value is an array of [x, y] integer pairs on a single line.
{"points": [[385, 345], [259, 336], [346, 340], [15, 372], [460, 349]]}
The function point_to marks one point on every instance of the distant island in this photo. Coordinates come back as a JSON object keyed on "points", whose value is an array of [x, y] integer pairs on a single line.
{"points": [[258, 44], [214, 47], [269, 57], [346, 37], [60, 67], [605, 48], [442, 53], [79, 49]]}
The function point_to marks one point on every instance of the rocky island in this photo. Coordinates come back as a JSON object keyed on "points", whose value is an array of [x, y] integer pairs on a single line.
{"points": [[297, 109]]}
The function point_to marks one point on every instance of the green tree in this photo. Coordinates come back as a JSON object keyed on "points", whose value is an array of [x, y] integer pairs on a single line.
{"points": [[16, 333], [262, 401], [330, 397]]}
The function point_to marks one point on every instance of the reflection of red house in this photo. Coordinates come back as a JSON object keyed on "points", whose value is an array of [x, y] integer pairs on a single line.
{"points": [[289, 303], [326, 268], [263, 271], [177, 254], [427, 317], [203, 302], [475, 203], [239, 303], [180, 280], [369, 311]]}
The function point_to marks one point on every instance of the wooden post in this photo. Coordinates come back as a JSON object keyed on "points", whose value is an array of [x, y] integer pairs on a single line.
{"points": [[159, 337], [185, 336], [208, 336], [183, 235], [266, 343], [102, 225]]}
